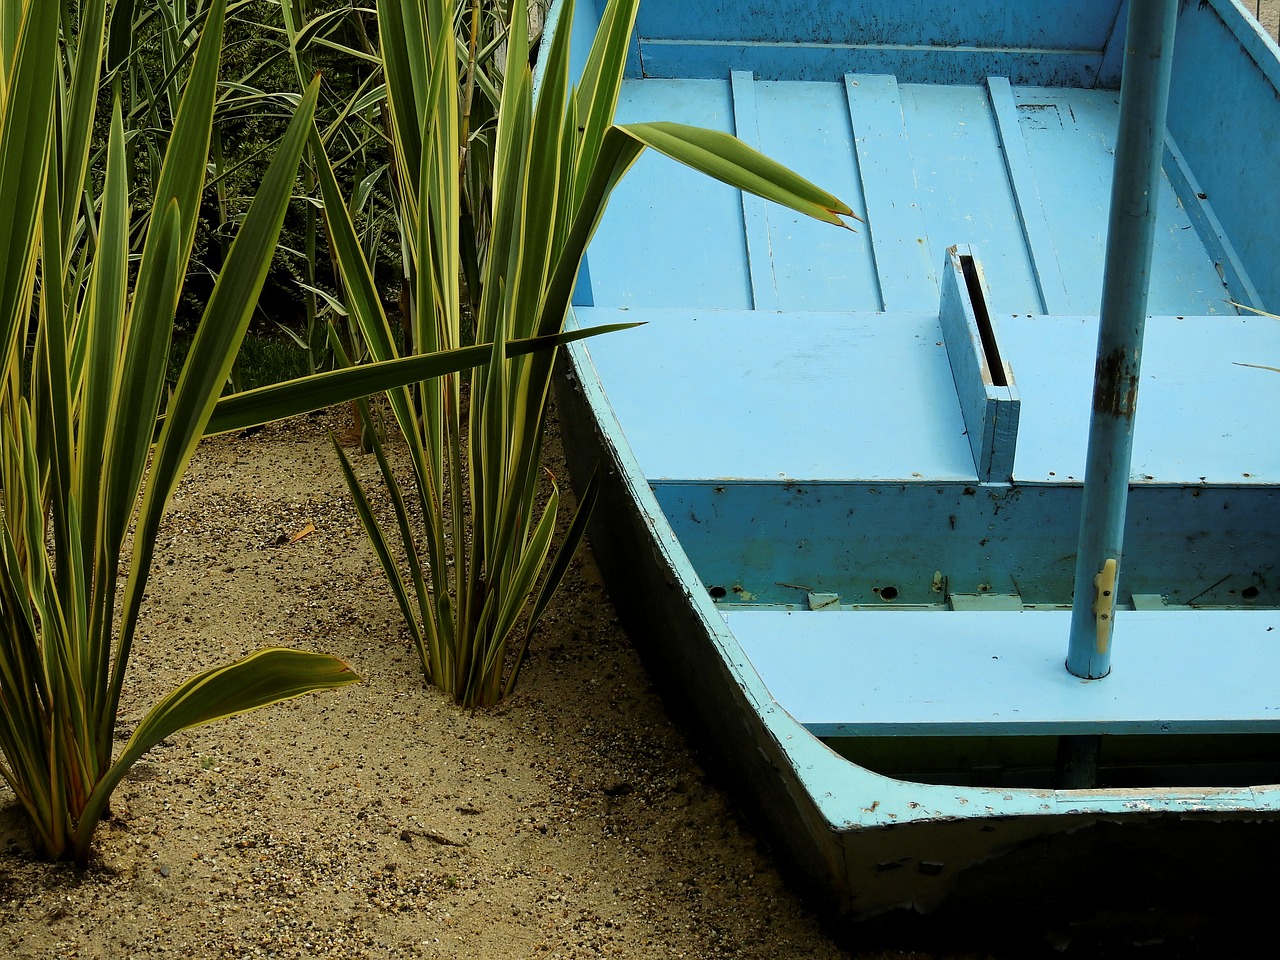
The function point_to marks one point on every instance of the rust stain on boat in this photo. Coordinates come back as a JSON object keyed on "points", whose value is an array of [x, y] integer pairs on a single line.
{"points": [[1115, 391]]}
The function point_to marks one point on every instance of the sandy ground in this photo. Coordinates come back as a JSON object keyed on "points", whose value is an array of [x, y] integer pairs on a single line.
{"points": [[381, 820]]}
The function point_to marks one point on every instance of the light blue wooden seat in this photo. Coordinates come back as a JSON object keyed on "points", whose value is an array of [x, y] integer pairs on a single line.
{"points": [[832, 455], [906, 673]]}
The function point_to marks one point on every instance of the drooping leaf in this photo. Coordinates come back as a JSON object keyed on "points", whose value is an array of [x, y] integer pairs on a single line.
{"points": [[258, 680]]}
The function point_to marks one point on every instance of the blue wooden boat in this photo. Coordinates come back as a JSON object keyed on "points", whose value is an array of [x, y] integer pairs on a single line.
{"points": [[845, 495]]}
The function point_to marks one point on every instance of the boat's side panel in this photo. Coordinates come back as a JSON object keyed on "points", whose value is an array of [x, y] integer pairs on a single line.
{"points": [[1224, 114], [639, 560], [1062, 43], [1148, 869], [815, 62], [1071, 24], [806, 796]]}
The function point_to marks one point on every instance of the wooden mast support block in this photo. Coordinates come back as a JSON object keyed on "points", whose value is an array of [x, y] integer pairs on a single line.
{"points": [[984, 383]]}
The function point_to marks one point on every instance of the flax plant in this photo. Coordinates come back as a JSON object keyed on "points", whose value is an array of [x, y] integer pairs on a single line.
{"points": [[352, 132], [87, 461], [82, 377], [272, 49], [479, 572]]}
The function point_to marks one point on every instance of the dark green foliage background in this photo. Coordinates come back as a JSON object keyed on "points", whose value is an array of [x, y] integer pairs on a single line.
{"points": [[259, 84]]}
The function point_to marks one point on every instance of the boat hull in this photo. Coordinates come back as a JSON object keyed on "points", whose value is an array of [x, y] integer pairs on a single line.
{"points": [[869, 843], [877, 431]]}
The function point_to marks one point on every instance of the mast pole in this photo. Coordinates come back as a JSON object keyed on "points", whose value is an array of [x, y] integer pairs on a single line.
{"points": [[1144, 98]]}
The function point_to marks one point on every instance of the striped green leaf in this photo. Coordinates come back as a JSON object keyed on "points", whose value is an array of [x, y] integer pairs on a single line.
{"points": [[554, 166], [729, 160], [25, 130], [240, 411]]}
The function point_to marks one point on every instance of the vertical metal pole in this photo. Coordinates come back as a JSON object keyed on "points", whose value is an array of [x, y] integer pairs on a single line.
{"points": [[1144, 97]]}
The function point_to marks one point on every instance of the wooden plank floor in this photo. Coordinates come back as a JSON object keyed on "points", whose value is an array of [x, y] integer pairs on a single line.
{"points": [[1020, 172]]}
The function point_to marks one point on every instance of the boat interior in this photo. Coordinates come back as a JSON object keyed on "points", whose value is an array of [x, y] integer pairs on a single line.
{"points": [[871, 442]]}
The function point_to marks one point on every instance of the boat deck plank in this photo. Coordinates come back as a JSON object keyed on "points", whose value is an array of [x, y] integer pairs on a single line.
{"points": [[773, 396], [895, 221], [806, 126], [1070, 137], [1050, 283], [755, 211], [913, 673], [683, 244]]}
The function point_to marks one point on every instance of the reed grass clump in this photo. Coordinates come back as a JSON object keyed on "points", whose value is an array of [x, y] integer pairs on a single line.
{"points": [[480, 569], [92, 443]]}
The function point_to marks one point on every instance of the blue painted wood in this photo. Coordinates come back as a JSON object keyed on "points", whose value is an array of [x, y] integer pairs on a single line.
{"points": [[1206, 414], [1144, 100], [989, 399], [806, 126], [672, 237], [1209, 228], [784, 396], [586, 20], [1225, 118], [1044, 259], [707, 367], [895, 221], [1079, 25], [911, 64], [1000, 673], [1070, 138], [583, 296], [1113, 51], [931, 166], [1063, 147], [963, 188], [775, 543], [755, 217], [824, 451], [1257, 45]]}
